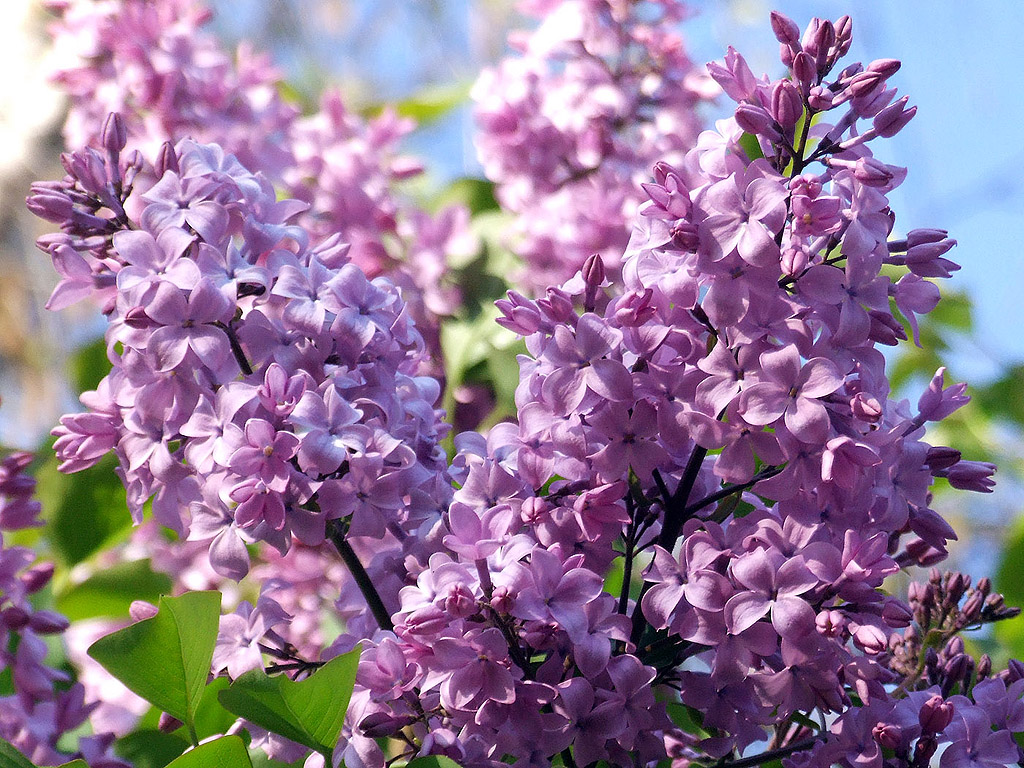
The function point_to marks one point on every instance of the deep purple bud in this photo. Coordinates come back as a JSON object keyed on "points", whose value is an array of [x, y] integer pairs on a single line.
{"points": [[380, 725], [926, 746], [14, 618], [971, 476], [756, 120], [168, 723], [896, 614], [37, 577], [941, 457], [984, 585], [888, 735], [48, 622], [785, 29], [891, 120], [1014, 671], [935, 714], [787, 106], [115, 135]]}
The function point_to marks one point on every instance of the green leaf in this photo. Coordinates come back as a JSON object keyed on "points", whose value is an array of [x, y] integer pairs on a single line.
{"points": [[432, 103], [12, 758], [86, 510], [166, 659], [89, 365], [750, 145], [433, 761], [1010, 633], [150, 748], [225, 752], [111, 591], [309, 711], [75, 764], [476, 194]]}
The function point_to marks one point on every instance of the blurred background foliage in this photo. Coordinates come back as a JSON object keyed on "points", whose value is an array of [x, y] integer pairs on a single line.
{"points": [[420, 56]]}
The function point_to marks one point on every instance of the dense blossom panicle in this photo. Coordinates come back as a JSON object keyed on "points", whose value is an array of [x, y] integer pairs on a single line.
{"points": [[678, 550], [159, 68], [244, 407], [570, 127], [40, 706]]}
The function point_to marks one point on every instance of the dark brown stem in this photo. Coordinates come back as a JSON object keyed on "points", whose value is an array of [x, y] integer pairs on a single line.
{"points": [[359, 574]]}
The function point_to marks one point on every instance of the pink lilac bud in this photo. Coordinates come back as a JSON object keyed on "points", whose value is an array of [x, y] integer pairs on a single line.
{"points": [[893, 118], [820, 99], [787, 106], [785, 29], [735, 76], [844, 36], [115, 135], [756, 120], [806, 72], [140, 610]]}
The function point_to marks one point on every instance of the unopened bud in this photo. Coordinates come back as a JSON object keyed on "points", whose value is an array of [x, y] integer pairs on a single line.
{"points": [[888, 735], [941, 457], [984, 666], [893, 118], [168, 723], [37, 577], [115, 135], [140, 610], [844, 36], [896, 614], [166, 159], [756, 120], [935, 714], [787, 106], [48, 622], [785, 29], [804, 70]]}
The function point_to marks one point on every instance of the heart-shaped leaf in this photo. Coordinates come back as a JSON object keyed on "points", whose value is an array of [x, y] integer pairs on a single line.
{"points": [[225, 752], [310, 711], [166, 659]]}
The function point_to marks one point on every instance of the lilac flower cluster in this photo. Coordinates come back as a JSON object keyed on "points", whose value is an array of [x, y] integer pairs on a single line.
{"points": [[42, 705], [261, 386], [157, 66], [725, 415], [679, 549], [570, 128]]}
